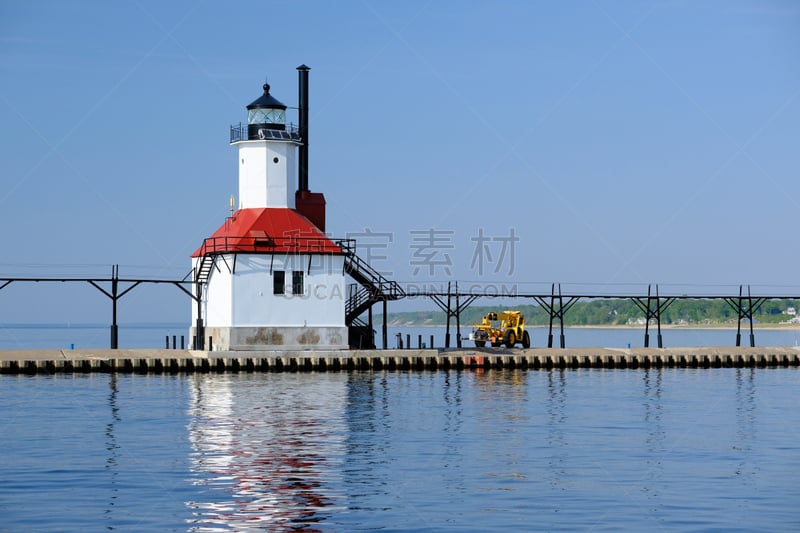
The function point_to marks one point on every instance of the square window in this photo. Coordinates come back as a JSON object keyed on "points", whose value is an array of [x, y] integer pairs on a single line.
{"points": [[297, 282], [279, 282]]}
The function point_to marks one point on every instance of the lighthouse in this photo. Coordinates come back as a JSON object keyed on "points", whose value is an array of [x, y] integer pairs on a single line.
{"points": [[269, 278]]}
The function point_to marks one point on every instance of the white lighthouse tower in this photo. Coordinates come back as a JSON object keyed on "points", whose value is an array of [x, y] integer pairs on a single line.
{"points": [[269, 278]]}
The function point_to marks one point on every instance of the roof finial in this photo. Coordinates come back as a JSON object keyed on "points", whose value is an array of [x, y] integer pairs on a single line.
{"points": [[266, 85]]}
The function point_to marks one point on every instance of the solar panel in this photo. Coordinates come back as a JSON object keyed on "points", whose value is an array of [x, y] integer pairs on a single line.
{"points": [[240, 133]]}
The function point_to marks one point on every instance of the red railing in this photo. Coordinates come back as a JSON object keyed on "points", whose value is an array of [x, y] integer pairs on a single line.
{"points": [[263, 243]]}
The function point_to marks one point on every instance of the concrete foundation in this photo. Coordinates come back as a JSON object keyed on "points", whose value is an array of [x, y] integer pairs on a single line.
{"points": [[218, 339], [187, 361]]}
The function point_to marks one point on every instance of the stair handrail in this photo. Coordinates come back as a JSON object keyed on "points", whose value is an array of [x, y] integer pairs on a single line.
{"points": [[199, 276], [358, 295], [354, 264]]}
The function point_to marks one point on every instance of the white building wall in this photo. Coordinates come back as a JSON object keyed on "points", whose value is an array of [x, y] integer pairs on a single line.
{"points": [[246, 298], [257, 160], [218, 291], [320, 304]]}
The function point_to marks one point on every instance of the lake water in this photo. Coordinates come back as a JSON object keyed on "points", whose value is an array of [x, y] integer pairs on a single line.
{"points": [[608, 337], [62, 337], [482, 450]]}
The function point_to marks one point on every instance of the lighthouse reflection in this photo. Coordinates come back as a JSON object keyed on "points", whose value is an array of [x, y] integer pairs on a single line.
{"points": [[266, 448]]}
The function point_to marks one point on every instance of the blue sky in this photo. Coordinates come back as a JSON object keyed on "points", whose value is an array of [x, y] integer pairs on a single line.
{"points": [[618, 143]]}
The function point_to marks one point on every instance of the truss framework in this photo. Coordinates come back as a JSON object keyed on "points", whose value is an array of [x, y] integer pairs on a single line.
{"points": [[452, 302]]}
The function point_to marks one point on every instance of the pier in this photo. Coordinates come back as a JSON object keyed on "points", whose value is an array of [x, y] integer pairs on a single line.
{"points": [[146, 361], [449, 299]]}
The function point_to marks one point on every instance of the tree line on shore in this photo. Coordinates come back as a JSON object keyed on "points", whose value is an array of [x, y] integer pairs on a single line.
{"points": [[617, 312]]}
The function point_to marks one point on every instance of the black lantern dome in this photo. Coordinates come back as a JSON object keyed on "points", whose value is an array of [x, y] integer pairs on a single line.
{"points": [[265, 113]]}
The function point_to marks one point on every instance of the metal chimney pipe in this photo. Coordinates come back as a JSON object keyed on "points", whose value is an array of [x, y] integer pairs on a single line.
{"points": [[302, 72]]}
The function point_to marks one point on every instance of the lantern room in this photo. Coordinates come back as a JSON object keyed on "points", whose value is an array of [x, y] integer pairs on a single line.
{"points": [[265, 113]]}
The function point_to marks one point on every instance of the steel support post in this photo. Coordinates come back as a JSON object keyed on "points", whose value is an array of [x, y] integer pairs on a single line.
{"points": [[750, 313], [647, 320], [458, 319], [658, 317], [745, 311], [200, 330], [739, 318], [561, 316], [114, 295], [114, 287], [556, 311], [371, 330], [449, 314], [651, 313], [384, 329]]}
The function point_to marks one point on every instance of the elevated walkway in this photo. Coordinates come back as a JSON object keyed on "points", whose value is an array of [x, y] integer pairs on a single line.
{"points": [[370, 288]]}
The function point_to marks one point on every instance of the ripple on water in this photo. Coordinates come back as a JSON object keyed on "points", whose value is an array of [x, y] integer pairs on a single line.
{"points": [[468, 451]]}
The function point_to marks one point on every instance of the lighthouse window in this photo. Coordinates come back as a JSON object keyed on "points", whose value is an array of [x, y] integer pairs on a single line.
{"points": [[297, 282], [266, 116], [279, 282]]}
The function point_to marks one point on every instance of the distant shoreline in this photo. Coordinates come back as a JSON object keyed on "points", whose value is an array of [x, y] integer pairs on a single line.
{"points": [[690, 326], [745, 326]]}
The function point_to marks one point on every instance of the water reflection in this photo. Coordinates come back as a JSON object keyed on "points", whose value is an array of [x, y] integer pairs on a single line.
{"points": [[453, 396], [655, 435], [112, 462], [265, 447], [556, 421], [501, 430], [653, 407], [745, 422], [453, 429], [368, 415]]}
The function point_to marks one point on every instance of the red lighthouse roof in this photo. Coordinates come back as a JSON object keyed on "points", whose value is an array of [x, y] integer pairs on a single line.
{"points": [[268, 230]]}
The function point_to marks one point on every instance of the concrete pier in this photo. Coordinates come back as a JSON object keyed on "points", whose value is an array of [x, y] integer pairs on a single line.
{"points": [[188, 361]]}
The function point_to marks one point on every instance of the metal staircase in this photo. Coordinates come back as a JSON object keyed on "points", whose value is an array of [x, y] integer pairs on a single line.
{"points": [[371, 287], [361, 335], [204, 268]]}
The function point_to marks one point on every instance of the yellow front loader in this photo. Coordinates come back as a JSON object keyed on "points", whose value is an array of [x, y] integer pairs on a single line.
{"points": [[510, 331]]}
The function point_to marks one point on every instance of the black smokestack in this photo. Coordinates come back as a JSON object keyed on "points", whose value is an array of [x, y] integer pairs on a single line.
{"points": [[302, 71]]}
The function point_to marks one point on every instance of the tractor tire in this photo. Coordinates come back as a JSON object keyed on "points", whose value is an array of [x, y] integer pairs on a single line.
{"points": [[480, 344], [526, 340], [510, 339]]}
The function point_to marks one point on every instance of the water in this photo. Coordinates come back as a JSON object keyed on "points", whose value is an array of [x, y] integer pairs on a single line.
{"points": [[606, 337], [600, 450], [64, 336]]}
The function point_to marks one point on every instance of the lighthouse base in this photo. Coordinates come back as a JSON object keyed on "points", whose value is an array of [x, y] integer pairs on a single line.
{"points": [[274, 338]]}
